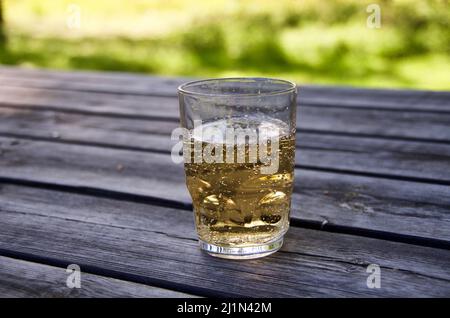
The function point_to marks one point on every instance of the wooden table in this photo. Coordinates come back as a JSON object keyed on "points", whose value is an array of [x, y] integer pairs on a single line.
{"points": [[86, 178]]}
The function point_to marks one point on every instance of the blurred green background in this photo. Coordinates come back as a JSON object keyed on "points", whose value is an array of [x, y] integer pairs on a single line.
{"points": [[322, 42]]}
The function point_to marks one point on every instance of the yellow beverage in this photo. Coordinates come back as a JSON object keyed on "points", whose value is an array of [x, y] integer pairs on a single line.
{"points": [[236, 204]]}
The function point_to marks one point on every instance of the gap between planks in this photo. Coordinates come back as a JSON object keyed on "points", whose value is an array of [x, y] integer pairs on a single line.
{"points": [[26, 279], [162, 250], [383, 195], [379, 175], [142, 85], [171, 120], [295, 221]]}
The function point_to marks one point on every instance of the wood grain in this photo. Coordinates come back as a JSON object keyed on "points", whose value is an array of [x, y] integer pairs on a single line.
{"points": [[157, 245], [412, 159], [402, 207], [330, 120], [127, 83], [23, 279], [86, 178]]}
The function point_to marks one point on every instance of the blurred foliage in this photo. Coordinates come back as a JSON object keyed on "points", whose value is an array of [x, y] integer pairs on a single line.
{"points": [[305, 41], [2, 31]]}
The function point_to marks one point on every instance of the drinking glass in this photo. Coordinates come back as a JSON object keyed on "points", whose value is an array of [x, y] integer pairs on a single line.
{"points": [[239, 150]]}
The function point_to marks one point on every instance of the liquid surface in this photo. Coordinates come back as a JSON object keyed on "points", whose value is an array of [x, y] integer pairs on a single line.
{"points": [[235, 204]]}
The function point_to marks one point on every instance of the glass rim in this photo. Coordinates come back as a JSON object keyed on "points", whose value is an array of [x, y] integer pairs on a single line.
{"points": [[184, 88]]}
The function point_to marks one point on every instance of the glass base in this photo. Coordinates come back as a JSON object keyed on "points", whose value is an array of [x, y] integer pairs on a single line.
{"points": [[238, 253]]}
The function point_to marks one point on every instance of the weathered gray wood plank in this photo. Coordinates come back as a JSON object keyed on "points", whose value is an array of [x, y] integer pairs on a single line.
{"points": [[23, 279], [89, 103], [114, 82], [403, 207], [157, 244], [394, 99], [335, 152], [108, 82], [362, 155], [382, 157], [364, 122], [391, 206]]}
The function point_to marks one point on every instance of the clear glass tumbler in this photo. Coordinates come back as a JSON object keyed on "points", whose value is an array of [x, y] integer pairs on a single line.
{"points": [[238, 151]]}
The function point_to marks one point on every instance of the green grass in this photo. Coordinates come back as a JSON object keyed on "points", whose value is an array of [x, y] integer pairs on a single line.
{"points": [[324, 42]]}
